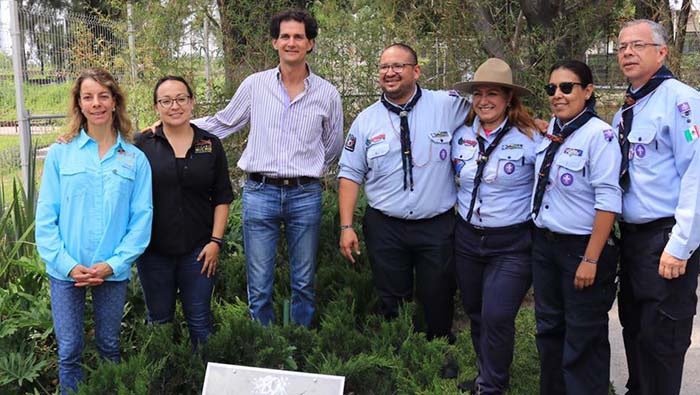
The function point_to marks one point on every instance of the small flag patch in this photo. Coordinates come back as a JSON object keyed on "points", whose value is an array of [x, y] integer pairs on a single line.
{"points": [[692, 133]]}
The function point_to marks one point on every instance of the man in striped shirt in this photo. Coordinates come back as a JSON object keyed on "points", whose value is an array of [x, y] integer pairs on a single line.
{"points": [[296, 132]]}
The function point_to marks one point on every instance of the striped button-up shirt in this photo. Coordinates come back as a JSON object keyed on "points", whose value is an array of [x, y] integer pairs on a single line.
{"points": [[288, 138]]}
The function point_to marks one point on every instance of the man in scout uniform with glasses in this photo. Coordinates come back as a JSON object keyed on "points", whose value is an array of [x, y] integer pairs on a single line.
{"points": [[660, 223], [399, 147]]}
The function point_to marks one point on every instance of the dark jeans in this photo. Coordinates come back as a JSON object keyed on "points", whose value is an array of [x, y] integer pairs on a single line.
{"points": [[494, 271], [397, 248], [656, 314], [572, 325], [162, 276]]}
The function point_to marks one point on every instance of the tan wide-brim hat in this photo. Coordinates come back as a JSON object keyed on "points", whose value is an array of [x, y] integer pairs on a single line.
{"points": [[493, 71]]}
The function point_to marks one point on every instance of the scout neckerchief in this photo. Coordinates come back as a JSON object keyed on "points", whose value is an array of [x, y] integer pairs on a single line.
{"points": [[557, 139], [406, 156], [625, 127], [483, 159]]}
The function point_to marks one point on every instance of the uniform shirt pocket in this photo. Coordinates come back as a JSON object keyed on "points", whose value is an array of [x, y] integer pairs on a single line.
{"points": [[642, 144], [377, 158], [440, 145], [571, 171], [510, 165], [74, 181], [119, 181], [464, 162]]}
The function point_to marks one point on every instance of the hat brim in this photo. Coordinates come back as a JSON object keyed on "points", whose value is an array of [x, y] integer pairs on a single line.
{"points": [[469, 86]]}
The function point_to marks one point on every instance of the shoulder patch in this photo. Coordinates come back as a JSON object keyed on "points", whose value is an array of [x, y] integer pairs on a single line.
{"points": [[350, 142], [609, 135]]}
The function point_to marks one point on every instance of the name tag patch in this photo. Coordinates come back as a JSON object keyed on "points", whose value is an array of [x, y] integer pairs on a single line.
{"points": [[511, 146], [573, 152], [202, 147], [375, 139]]}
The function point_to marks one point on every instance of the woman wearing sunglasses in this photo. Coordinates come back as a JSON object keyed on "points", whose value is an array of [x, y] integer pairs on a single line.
{"points": [[494, 157], [574, 203], [191, 197]]}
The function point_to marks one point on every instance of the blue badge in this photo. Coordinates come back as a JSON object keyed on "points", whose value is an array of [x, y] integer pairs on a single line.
{"points": [[640, 150], [443, 154], [567, 179], [509, 167], [684, 109]]}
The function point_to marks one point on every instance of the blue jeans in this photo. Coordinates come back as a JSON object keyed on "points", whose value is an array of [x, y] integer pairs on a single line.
{"points": [[68, 312], [161, 278], [265, 207]]}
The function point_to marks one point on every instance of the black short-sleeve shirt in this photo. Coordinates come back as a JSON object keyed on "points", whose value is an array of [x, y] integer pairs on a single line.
{"points": [[184, 201]]}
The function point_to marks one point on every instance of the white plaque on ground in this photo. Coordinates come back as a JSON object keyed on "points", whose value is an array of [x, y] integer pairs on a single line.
{"points": [[223, 379]]}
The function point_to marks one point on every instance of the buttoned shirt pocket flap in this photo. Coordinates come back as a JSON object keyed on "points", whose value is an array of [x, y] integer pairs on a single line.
{"points": [[74, 180], [511, 154], [465, 153], [574, 163], [441, 137], [377, 150], [123, 172], [72, 170], [641, 135]]}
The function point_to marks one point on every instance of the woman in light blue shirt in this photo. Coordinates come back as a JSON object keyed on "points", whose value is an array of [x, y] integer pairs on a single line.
{"points": [[575, 200], [493, 156], [93, 219]]}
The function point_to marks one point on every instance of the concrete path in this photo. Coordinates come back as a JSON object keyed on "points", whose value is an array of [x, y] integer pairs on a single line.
{"points": [[618, 363]]}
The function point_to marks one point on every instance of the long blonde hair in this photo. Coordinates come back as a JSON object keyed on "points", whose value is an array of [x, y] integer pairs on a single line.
{"points": [[76, 119], [516, 113]]}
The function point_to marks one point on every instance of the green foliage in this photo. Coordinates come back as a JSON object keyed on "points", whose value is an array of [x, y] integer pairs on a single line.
{"points": [[133, 376], [20, 368]]}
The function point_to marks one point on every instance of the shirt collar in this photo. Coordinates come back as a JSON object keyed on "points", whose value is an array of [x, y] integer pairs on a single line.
{"points": [[477, 124], [415, 90], [83, 139], [558, 121], [307, 81]]}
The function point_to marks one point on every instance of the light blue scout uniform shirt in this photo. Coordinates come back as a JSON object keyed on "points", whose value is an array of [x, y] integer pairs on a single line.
{"points": [[93, 210], [372, 154], [584, 178], [664, 164], [504, 194]]}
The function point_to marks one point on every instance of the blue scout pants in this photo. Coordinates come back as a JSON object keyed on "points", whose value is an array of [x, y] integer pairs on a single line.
{"points": [[398, 247], [494, 271], [572, 325], [656, 314]]}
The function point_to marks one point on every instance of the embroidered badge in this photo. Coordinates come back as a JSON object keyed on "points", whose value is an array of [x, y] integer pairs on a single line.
{"points": [[509, 167], [640, 150], [609, 135], [202, 146], [511, 146], [126, 159], [350, 142], [566, 179], [375, 139], [458, 164], [468, 143], [443, 154], [692, 133], [684, 109], [573, 152], [440, 134]]}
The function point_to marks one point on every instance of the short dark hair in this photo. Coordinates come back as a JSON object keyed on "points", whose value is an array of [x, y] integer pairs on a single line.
{"points": [[406, 48], [582, 71], [294, 14], [170, 78]]}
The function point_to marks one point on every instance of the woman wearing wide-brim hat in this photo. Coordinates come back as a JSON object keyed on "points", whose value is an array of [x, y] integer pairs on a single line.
{"points": [[494, 155]]}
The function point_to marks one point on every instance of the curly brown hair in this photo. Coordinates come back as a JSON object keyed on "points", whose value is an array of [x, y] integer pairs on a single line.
{"points": [[76, 119]]}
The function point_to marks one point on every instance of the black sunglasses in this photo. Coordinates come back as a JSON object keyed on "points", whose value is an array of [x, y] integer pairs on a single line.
{"points": [[566, 88]]}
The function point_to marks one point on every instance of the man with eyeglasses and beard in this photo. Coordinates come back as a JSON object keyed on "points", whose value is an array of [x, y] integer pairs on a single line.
{"points": [[399, 147], [660, 223]]}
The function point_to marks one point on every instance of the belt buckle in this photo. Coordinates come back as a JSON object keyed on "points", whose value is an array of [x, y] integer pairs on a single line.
{"points": [[285, 181]]}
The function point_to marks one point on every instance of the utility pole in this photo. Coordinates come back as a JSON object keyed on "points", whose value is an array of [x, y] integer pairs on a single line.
{"points": [[132, 54], [25, 140]]}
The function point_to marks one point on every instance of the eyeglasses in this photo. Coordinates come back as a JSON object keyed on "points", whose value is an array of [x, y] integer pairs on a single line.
{"points": [[635, 45], [397, 67], [168, 102], [565, 87]]}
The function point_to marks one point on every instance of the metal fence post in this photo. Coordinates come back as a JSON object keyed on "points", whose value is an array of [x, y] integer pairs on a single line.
{"points": [[22, 114]]}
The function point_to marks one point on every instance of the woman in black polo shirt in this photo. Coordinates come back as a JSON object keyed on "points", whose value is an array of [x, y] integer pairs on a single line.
{"points": [[191, 197]]}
